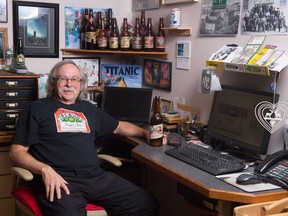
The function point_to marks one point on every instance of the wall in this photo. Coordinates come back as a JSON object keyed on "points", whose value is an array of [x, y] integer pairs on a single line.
{"points": [[185, 82]]}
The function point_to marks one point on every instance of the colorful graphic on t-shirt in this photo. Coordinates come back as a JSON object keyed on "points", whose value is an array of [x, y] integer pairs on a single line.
{"points": [[71, 121]]}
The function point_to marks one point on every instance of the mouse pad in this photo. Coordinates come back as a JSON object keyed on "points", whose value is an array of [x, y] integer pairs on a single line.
{"points": [[231, 179]]}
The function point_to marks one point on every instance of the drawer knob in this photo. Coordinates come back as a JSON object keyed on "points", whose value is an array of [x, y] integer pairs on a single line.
{"points": [[10, 126], [12, 94], [11, 83], [12, 116], [11, 105]]}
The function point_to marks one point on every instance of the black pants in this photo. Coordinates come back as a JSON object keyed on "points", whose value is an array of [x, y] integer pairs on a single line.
{"points": [[117, 195]]}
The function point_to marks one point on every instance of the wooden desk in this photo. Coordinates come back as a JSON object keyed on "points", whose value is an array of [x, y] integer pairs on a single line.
{"points": [[198, 180]]}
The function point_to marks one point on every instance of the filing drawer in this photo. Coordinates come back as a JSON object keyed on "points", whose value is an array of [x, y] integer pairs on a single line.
{"points": [[18, 83], [14, 104], [7, 207], [8, 126], [18, 94], [5, 192], [9, 115], [5, 164]]}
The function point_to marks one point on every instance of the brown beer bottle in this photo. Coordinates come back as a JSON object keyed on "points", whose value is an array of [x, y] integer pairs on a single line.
{"points": [[149, 37], [156, 124], [137, 40], [125, 38], [108, 25], [82, 30], [20, 56], [98, 23], [90, 33], [161, 37], [142, 23], [102, 39], [114, 36]]}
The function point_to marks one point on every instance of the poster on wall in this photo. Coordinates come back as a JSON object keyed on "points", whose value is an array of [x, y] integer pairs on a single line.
{"points": [[73, 23], [219, 17], [269, 17], [122, 75]]}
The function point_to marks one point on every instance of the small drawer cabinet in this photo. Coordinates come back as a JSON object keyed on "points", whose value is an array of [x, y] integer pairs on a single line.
{"points": [[16, 92]]}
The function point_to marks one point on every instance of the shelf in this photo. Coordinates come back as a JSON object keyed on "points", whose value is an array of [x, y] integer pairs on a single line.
{"points": [[178, 31], [163, 55]]}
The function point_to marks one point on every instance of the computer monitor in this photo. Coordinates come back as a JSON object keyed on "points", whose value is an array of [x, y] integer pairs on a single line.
{"points": [[233, 122], [128, 104]]}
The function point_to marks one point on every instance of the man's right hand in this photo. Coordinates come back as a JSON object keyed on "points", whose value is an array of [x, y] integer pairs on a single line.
{"points": [[53, 183]]}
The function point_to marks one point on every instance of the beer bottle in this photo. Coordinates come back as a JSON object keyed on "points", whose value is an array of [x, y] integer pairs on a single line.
{"points": [[125, 38], [20, 56], [149, 37], [98, 26], [114, 36], [85, 20], [108, 25], [156, 124], [90, 33], [161, 37], [137, 40], [102, 39], [142, 24]]}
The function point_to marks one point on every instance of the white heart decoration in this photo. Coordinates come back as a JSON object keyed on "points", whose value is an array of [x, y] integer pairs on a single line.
{"points": [[271, 116]]}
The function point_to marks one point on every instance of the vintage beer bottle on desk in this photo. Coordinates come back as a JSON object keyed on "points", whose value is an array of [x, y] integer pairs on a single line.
{"points": [[90, 33], [137, 40], [156, 125], [82, 30], [149, 37], [161, 37], [114, 36], [125, 38], [20, 56]]}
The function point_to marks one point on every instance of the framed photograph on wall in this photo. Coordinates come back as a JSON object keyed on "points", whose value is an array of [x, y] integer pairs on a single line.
{"points": [[3, 11], [3, 44], [89, 66], [157, 74], [38, 24]]}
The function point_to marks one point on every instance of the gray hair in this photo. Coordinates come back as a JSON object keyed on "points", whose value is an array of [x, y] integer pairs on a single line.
{"points": [[51, 82]]}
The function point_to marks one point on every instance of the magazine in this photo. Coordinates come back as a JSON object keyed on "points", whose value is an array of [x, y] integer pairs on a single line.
{"points": [[263, 55], [226, 53]]}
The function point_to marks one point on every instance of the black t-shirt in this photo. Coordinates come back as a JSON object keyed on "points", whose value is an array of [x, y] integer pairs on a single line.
{"points": [[63, 136]]}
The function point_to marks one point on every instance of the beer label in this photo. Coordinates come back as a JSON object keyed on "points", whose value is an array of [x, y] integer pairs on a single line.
{"points": [[102, 42], [89, 36], [156, 131], [149, 42], [113, 42], [160, 42], [125, 42], [20, 59], [137, 42]]}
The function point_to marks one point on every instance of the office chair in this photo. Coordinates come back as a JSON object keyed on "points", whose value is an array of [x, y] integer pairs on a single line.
{"points": [[25, 202]]}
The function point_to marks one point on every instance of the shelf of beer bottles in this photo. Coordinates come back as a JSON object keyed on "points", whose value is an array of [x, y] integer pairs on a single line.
{"points": [[172, 31], [162, 55]]}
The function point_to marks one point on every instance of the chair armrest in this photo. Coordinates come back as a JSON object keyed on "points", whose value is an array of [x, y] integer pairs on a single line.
{"points": [[23, 173], [112, 160]]}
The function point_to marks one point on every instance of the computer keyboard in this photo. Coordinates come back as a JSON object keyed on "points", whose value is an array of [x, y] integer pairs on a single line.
{"points": [[206, 159]]}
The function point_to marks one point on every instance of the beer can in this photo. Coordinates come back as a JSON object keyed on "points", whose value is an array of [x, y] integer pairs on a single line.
{"points": [[175, 17]]}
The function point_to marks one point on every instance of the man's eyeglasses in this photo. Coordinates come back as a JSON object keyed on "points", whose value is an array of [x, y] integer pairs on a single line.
{"points": [[73, 80]]}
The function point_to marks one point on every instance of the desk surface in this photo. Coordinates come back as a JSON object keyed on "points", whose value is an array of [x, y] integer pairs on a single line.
{"points": [[196, 179]]}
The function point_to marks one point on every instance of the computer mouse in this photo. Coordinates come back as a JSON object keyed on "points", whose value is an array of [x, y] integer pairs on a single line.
{"points": [[247, 179]]}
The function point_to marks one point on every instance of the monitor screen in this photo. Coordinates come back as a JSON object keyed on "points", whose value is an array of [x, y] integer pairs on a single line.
{"points": [[232, 119], [128, 104]]}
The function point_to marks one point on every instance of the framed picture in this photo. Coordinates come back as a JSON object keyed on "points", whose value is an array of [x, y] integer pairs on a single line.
{"points": [[90, 67], [3, 44], [165, 105], [138, 5], [38, 24], [167, 2], [3, 11], [157, 74]]}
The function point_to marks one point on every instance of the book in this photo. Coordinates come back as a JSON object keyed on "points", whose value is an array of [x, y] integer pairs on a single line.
{"points": [[250, 49], [260, 57], [225, 53]]}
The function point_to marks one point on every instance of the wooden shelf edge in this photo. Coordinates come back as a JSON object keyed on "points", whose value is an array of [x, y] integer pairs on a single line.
{"points": [[163, 55]]}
